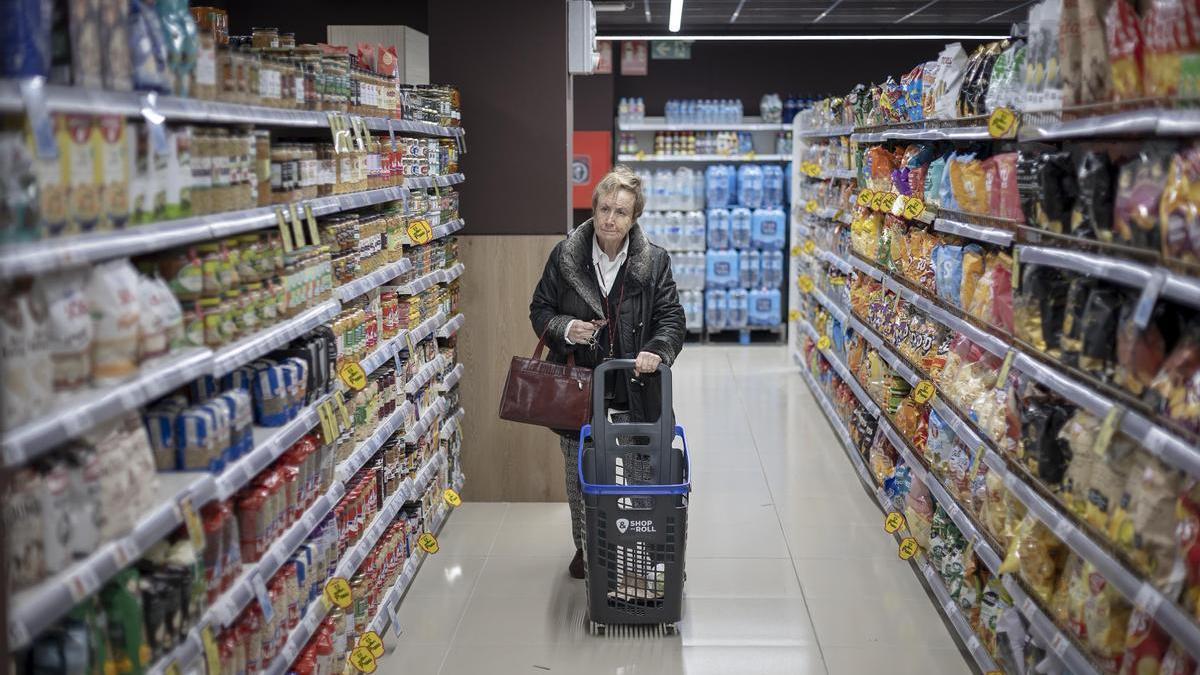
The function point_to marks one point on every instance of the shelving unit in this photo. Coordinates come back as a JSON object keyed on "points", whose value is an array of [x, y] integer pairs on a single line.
{"points": [[706, 159]]}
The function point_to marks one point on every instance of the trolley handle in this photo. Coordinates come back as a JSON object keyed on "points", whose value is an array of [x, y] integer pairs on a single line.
{"points": [[623, 490]]}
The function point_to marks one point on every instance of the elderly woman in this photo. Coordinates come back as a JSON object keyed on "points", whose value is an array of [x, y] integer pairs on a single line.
{"points": [[607, 293]]}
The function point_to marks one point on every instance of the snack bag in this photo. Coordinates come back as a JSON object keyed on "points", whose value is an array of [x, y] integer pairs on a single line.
{"points": [[1175, 390], [952, 69], [1070, 594], [1179, 209], [1125, 50], [918, 512], [1143, 525], [1091, 215], [1140, 185], [948, 270], [1002, 298], [1146, 646], [1105, 619], [1037, 555]]}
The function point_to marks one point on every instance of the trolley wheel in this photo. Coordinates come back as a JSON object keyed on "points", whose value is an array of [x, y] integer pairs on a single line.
{"points": [[598, 629], [670, 629]]}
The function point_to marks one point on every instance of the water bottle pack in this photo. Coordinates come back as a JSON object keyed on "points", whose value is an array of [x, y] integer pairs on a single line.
{"points": [[740, 222], [679, 190], [631, 110], [722, 269], [765, 307], [750, 186], [750, 268], [716, 185], [693, 308], [688, 269], [738, 312], [704, 111], [767, 228], [716, 307], [718, 229]]}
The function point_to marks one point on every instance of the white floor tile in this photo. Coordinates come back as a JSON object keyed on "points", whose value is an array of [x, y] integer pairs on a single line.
{"points": [[789, 570]]}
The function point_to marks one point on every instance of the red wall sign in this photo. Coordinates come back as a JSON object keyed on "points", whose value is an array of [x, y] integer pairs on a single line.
{"points": [[591, 161]]}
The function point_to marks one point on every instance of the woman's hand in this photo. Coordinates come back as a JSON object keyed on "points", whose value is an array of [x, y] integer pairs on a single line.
{"points": [[647, 362], [581, 332]]}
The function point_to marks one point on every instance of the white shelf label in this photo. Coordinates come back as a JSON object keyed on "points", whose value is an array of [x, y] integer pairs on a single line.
{"points": [[1029, 608], [1148, 598], [1059, 644], [83, 583]]}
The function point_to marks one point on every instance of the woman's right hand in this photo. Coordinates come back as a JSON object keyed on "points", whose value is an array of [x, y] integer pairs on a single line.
{"points": [[581, 332]]}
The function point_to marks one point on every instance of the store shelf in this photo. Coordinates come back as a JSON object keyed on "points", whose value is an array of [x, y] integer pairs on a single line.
{"points": [[347, 292], [367, 449], [427, 327], [452, 422], [70, 416], [922, 133], [449, 228], [452, 379], [1117, 124], [425, 375], [451, 326], [35, 257], [60, 98], [660, 124], [990, 235], [453, 273], [249, 348], [714, 159], [427, 419], [825, 133], [349, 563], [1138, 592], [422, 182], [1175, 287], [1046, 633]]}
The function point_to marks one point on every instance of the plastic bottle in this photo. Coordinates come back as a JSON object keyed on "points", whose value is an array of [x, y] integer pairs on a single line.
{"points": [[716, 305], [750, 186], [623, 111], [772, 269], [663, 180], [718, 229], [772, 185], [716, 187], [740, 227], [750, 268]]}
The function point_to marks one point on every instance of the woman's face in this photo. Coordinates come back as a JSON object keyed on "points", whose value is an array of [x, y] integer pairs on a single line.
{"points": [[613, 217]]}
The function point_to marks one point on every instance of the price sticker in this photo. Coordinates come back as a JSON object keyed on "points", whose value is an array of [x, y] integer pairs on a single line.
{"points": [[363, 660], [811, 206], [191, 520], [805, 283], [212, 655], [865, 197], [1003, 123], [913, 208], [451, 497], [823, 343], [877, 201], [329, 429], [1112, 422], [908, 548], [311, 221], [343, 412], [419, 231], [337, 591], [1002, 376], [889, 201], [1029, 607], [125, 552], [353, 375], [428, 543], [372, 643], [1059, 644], [810, 246], [923, 392], [297, 227], [285, 232], [264, 598], [894, 522], [172, 669], [796, 250], [794, 315], [838, 281], [394, 618], [83, 583]]}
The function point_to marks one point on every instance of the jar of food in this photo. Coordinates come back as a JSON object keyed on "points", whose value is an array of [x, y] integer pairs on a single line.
{"points": [[248, 307], [193, 323], [231, 328], [206, 72], [211, 315], [265, 38]]}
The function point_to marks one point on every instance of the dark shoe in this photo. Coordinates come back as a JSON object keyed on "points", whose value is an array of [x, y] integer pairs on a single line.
{"points": [[577, 569]]}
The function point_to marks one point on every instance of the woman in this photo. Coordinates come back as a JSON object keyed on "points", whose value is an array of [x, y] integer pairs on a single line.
{"points": [[607, 293]]}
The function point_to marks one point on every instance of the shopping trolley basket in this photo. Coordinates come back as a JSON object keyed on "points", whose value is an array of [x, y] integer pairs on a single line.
{"points": [[635, 488]]}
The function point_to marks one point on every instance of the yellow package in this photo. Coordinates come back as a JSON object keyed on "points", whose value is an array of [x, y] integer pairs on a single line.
{"points": [[112, 170], [969, 185], [1143, 524], [1037, 555], [1105, 619], [972, 270], [82, 170], [1070, 594], [979, 303], [994, 511]]}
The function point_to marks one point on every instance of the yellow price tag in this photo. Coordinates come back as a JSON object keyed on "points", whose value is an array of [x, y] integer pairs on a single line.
{"points": [[1002, 376], [641, 154], [908, 548], [372, 643], [212, 655], [311, 221], [811, 206], [877, 201], [428, 543], [893, 523], [913, 208], [794, 315], [298, 227], [810, 246], [343, 412], [838, 281], [329, 427], [795, 251], [865, 197], [805, 283], [1003, 123], [285, 232], [363, 660], [823, 343], [923, 392], [450, 496], [889, 200], [337, 592], [353, 375], [420, 232], [172, 669], [191, 520]]}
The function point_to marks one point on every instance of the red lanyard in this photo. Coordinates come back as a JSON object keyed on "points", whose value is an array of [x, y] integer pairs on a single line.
{"points": [[616, 318]]}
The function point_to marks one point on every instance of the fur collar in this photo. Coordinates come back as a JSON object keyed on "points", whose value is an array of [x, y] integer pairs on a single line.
{"points": [[575, 263]]}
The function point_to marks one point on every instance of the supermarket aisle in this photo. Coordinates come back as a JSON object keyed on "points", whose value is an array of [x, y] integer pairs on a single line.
{"points": [[789, 570]]}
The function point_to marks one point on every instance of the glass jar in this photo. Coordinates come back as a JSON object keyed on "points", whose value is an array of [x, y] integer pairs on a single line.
{"points": [[265, 38], [210, 313], [310, 68]]}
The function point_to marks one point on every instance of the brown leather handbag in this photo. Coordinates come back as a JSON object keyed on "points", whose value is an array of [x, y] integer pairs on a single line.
{"points": [[558, 396]]}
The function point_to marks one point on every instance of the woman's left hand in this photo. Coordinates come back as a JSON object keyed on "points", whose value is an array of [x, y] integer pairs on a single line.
{"points": [[647, 362]]}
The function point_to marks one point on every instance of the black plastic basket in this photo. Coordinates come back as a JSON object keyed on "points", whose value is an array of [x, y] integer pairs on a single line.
{"points": [[635, 487]]}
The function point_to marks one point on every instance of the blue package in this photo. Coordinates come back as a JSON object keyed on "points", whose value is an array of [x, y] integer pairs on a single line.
{"points": [[947, 261], [933, 181], [716, 304], [897, 485], [939, 442], [25, 38]]}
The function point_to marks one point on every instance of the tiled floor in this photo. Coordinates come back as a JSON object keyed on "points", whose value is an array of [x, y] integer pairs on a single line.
{"points": [[789, 570]]}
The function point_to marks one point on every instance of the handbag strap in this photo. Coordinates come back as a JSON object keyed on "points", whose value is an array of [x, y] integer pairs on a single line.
{"points": [[541, 347]]}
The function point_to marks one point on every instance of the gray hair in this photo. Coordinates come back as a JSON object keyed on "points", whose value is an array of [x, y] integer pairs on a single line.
{"points": [[621, 178]]}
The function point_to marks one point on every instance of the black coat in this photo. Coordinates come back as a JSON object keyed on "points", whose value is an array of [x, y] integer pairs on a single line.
{"points": [[651, 318]]}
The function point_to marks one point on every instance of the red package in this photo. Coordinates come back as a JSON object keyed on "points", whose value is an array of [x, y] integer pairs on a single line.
{"points": [[1002, 299], [1162, 27], [991, 185], [387, 63], [1177, 661], [1005, 201], [1125, 48], [1145, 645], [366, 55]]}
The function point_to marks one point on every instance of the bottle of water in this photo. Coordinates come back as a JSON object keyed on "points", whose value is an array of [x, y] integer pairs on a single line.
{"points": [[623, 111], [718, 229], [716, 188], [716, 306], [685, 182], [640, 110], [673, 231], [772, 185], [694, 231], [699, 187], [740, 227], [663, 183], [750, 186], [738, 308], [772, 269], [750, 268]]}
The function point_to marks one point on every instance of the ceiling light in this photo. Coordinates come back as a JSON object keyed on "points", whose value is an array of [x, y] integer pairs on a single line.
{"points": [[602, 6], [801, 38], [676, 16]]}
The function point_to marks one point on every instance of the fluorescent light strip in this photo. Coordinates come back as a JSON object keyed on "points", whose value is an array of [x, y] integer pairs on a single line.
{"points": [[676, 16], [799, 38]]}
